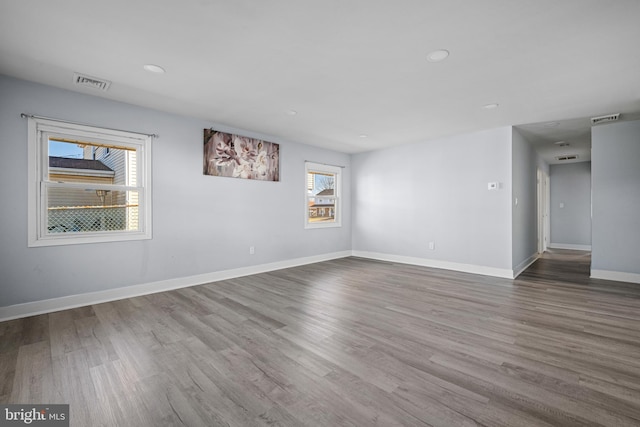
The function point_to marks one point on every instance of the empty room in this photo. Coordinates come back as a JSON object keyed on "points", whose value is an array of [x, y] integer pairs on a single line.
{"points": [[295, 213]]}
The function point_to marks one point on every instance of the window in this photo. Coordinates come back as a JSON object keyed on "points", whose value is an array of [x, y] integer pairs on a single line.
{"points": [[322, 202], [87, 184]]}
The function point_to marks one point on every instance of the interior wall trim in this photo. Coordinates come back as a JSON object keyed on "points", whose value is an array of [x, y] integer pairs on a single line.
{"points": [[446, 265], [618, 276], [73, 301], [525, 264], [569, 246]]}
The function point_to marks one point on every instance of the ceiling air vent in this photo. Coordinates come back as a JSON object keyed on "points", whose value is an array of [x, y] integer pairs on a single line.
{"points": [[92, 82], [567, 157], [605, 119]]}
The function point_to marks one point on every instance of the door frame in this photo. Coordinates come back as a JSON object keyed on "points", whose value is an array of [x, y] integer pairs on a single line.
{"points": [[544, 199]]}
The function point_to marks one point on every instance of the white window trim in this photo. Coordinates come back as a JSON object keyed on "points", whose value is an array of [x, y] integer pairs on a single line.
{"points": [[321, 168], [38, 166]]}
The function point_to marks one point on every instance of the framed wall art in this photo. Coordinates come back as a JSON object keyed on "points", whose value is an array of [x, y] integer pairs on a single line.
{"points": [[237, 156]]}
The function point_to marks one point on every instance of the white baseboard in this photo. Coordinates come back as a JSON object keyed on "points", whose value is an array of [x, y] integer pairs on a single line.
{"points": [[446, 265], [525, 264], [569, 246], [72, 301], [618, 276]]}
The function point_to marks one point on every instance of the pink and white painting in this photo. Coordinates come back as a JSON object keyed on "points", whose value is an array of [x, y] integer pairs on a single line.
{"points": [[236, 156]]}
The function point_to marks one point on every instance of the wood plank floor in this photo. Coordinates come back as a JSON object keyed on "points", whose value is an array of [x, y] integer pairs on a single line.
{"points": [[350, 342]]}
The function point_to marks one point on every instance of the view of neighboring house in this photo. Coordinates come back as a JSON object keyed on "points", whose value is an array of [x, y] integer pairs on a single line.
{"points": [[64, 169], [93, 209], [322, 207], [321, 198]]}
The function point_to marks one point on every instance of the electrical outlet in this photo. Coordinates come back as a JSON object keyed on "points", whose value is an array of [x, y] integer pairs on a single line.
{"points": [[252, 250]]}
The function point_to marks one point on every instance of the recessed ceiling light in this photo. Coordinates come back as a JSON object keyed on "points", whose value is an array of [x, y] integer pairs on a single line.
{"points": [[362, 136], [154, 68], [292, 112], [437, 55], [550, 124], [490, 106]]}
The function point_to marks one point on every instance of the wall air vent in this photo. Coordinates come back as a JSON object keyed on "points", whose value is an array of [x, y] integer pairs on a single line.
{"points": [[604, 119], [92, 82], [567, 157]]}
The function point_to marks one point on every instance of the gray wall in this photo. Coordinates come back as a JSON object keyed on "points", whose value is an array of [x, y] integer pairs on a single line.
{"points": [[201, 224], [615, 173], [570, 186], [525, 211], [397, 199], [406, 197]]}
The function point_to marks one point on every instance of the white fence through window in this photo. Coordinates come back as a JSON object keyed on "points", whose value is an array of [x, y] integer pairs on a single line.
{"points": [[72, 219]]}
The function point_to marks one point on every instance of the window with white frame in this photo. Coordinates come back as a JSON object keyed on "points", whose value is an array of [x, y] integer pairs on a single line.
{"points": [[322, 202], [87, 184]]}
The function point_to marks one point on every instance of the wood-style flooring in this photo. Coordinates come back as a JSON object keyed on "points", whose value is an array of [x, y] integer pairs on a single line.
{"points": [[349, 342]]}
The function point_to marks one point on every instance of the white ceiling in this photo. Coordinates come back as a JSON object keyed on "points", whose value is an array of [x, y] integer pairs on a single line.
{"points": [[348, 67]]}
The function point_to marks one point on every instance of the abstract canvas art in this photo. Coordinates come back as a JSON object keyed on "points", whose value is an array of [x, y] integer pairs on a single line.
{"points": [[236, 156]]}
